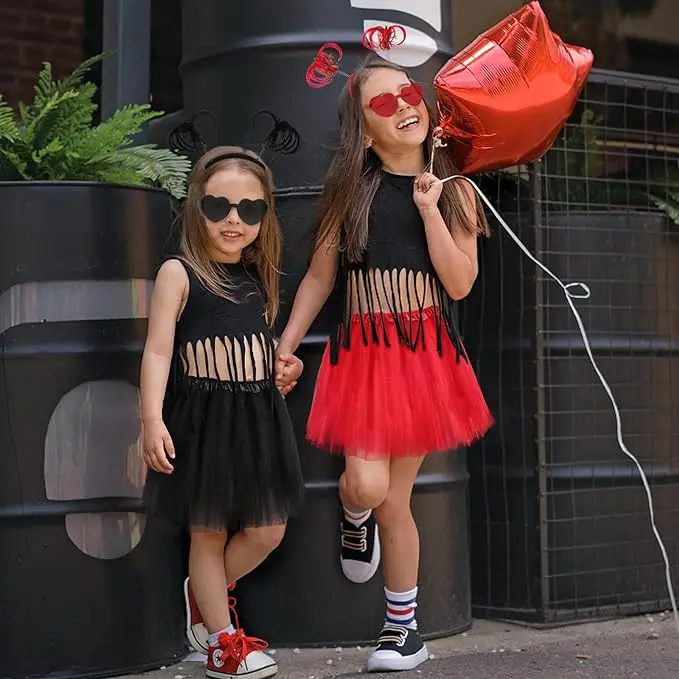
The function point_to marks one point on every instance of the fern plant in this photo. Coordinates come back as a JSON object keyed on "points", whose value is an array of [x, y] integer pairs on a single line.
{"points": [[54, 139], [668, 203]]}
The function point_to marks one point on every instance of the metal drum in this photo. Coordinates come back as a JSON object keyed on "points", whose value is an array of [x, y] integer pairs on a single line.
{"points": [[83, 576], [239, 58]]}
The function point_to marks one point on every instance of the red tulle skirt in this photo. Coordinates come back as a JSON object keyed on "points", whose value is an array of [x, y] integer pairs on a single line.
{"points": [[382, 401]]}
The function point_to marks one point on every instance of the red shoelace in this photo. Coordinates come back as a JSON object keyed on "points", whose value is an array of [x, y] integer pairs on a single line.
{"points": [[239, 645]]}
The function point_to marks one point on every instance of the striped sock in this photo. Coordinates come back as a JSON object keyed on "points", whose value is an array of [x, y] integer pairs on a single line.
{"points": [[401, 608], [356, 518]]}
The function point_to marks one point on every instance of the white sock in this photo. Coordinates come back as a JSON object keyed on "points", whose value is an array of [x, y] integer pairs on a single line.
{"points": [[356, 518], [212, 639], [401, 608]]}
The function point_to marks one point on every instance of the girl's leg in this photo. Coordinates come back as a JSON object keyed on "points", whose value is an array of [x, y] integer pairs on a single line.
{"points": [[208, 581], [243, 553], [208, 577], [399, 646], [398, 531], [248, 548], [363, 486]]}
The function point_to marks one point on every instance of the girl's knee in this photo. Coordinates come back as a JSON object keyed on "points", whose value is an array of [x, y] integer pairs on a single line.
{"points": [[266, 538], [365, 486]]}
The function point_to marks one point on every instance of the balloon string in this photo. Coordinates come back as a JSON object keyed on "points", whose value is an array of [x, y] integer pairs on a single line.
{"points": [[585, 294]]}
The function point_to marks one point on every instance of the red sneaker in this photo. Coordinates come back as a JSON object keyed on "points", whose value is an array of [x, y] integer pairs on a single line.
{"points": [[196, 632], [238, 655]]}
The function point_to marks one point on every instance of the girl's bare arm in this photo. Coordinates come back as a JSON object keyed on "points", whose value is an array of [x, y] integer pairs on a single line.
{"points": [[312, 294], [453, 251], [168, 300]]}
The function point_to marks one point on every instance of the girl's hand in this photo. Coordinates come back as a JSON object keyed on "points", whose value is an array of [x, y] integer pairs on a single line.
{"points": [[427, 191], [288, 371], [158, 447]]}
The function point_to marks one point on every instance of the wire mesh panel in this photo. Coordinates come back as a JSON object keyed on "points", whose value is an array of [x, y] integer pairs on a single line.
{"points": [[559, 519]]}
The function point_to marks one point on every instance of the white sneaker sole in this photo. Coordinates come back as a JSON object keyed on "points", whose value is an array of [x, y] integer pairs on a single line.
{"points": [[196, 634], [390, 661], [359, 571], [261, 673]]}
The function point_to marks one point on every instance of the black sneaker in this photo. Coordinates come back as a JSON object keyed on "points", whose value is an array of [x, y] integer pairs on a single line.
{"points": [[398, 648], [360, 555]]}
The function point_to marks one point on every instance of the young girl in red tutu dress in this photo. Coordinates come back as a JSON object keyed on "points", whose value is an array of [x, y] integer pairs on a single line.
{"points": [[395, 382]]}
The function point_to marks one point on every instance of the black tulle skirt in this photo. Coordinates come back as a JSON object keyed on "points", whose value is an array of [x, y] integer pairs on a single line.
{"points": [[237, 463]]}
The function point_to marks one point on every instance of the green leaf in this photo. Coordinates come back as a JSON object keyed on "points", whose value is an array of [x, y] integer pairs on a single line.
{"points": [[159, 166], [54, 138], [118, 130], [75, 79], [12, 168], [41, 129], [8, 127], [669, 204]]}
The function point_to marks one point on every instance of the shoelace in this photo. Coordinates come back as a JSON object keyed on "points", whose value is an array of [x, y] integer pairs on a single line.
{"points": [[239, 645], [354, 538]]}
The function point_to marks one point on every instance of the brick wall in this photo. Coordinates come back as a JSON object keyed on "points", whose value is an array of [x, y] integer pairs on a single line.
{"points": [[33, 31]]}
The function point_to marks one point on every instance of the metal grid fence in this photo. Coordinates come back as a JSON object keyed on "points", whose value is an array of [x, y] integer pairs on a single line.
{"points": [[559, 519]]}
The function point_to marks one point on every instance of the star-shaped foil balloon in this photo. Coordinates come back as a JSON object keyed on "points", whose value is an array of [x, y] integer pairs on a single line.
{"points": [[504, 99]]}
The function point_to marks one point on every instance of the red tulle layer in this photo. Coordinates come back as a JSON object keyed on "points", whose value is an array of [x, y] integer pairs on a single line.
{"points": [[382, 401]]}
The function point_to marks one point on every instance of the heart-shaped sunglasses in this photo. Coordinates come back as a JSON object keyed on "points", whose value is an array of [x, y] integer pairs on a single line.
{"points": [[217, 208], [386, 105]]}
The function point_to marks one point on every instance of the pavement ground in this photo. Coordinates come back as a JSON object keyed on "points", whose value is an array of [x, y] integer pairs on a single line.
{"points": [[645, 647]]}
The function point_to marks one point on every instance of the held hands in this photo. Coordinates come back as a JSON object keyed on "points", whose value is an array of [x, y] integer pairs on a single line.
{"points": [[427, 191], [288, 371], [158, 447]]}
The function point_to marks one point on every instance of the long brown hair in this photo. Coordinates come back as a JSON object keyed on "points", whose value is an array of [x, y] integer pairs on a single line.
{"points": [[354, 176], [263, 255]]}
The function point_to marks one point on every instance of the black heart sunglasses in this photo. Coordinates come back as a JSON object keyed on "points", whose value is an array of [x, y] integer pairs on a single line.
{"points": [[217, 208]]}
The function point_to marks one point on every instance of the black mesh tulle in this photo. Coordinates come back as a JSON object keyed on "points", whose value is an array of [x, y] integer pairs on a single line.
{"points": [[237, 463]]}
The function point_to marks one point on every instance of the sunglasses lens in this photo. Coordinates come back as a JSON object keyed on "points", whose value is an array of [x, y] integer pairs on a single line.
{"points": [[215, 208], [384, 105], [252, 211], [412, 94]]}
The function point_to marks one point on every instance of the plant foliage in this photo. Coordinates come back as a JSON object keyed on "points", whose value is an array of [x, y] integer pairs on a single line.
{"points": [[54, 139]]}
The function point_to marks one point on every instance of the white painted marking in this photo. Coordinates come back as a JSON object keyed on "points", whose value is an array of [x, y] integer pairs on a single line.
{"points": [[417, 49], [426, 10]]}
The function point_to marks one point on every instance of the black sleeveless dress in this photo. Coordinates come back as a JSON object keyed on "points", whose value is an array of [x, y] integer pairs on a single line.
{"points": [[395, 379], [237, 462]]}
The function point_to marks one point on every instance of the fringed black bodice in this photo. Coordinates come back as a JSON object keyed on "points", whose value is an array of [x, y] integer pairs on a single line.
{"points": [[396, 277], [223, 344]]}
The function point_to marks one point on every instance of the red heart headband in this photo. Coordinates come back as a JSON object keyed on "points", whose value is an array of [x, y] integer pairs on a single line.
{"points": [[325, 65]]}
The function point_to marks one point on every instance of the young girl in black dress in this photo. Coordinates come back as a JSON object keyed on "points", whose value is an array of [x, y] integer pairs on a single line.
{"points": [[220, 447], [395, 383]]}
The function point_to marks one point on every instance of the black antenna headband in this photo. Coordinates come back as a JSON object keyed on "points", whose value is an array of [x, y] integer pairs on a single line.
{"points": [[283, 138]]}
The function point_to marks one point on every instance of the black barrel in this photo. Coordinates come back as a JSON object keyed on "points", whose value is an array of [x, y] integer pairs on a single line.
{"points": [[237, 59], [86, 587]]}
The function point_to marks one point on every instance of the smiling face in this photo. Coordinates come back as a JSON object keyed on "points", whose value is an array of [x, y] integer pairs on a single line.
{"points": [[395, 114], [230, 234]]}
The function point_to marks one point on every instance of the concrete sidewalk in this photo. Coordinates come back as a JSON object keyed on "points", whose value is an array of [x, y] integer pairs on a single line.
{"points": [[632, 648]]}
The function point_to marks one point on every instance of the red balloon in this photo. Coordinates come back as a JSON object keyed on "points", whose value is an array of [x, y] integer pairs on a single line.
{"points": [[504, 99]]}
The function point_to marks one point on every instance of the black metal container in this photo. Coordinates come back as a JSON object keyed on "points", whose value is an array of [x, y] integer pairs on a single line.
{"points": [[238, 59], [87, 588]]}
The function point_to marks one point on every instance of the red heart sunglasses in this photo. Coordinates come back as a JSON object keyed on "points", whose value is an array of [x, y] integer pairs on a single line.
{"points": [[386, 105]]}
